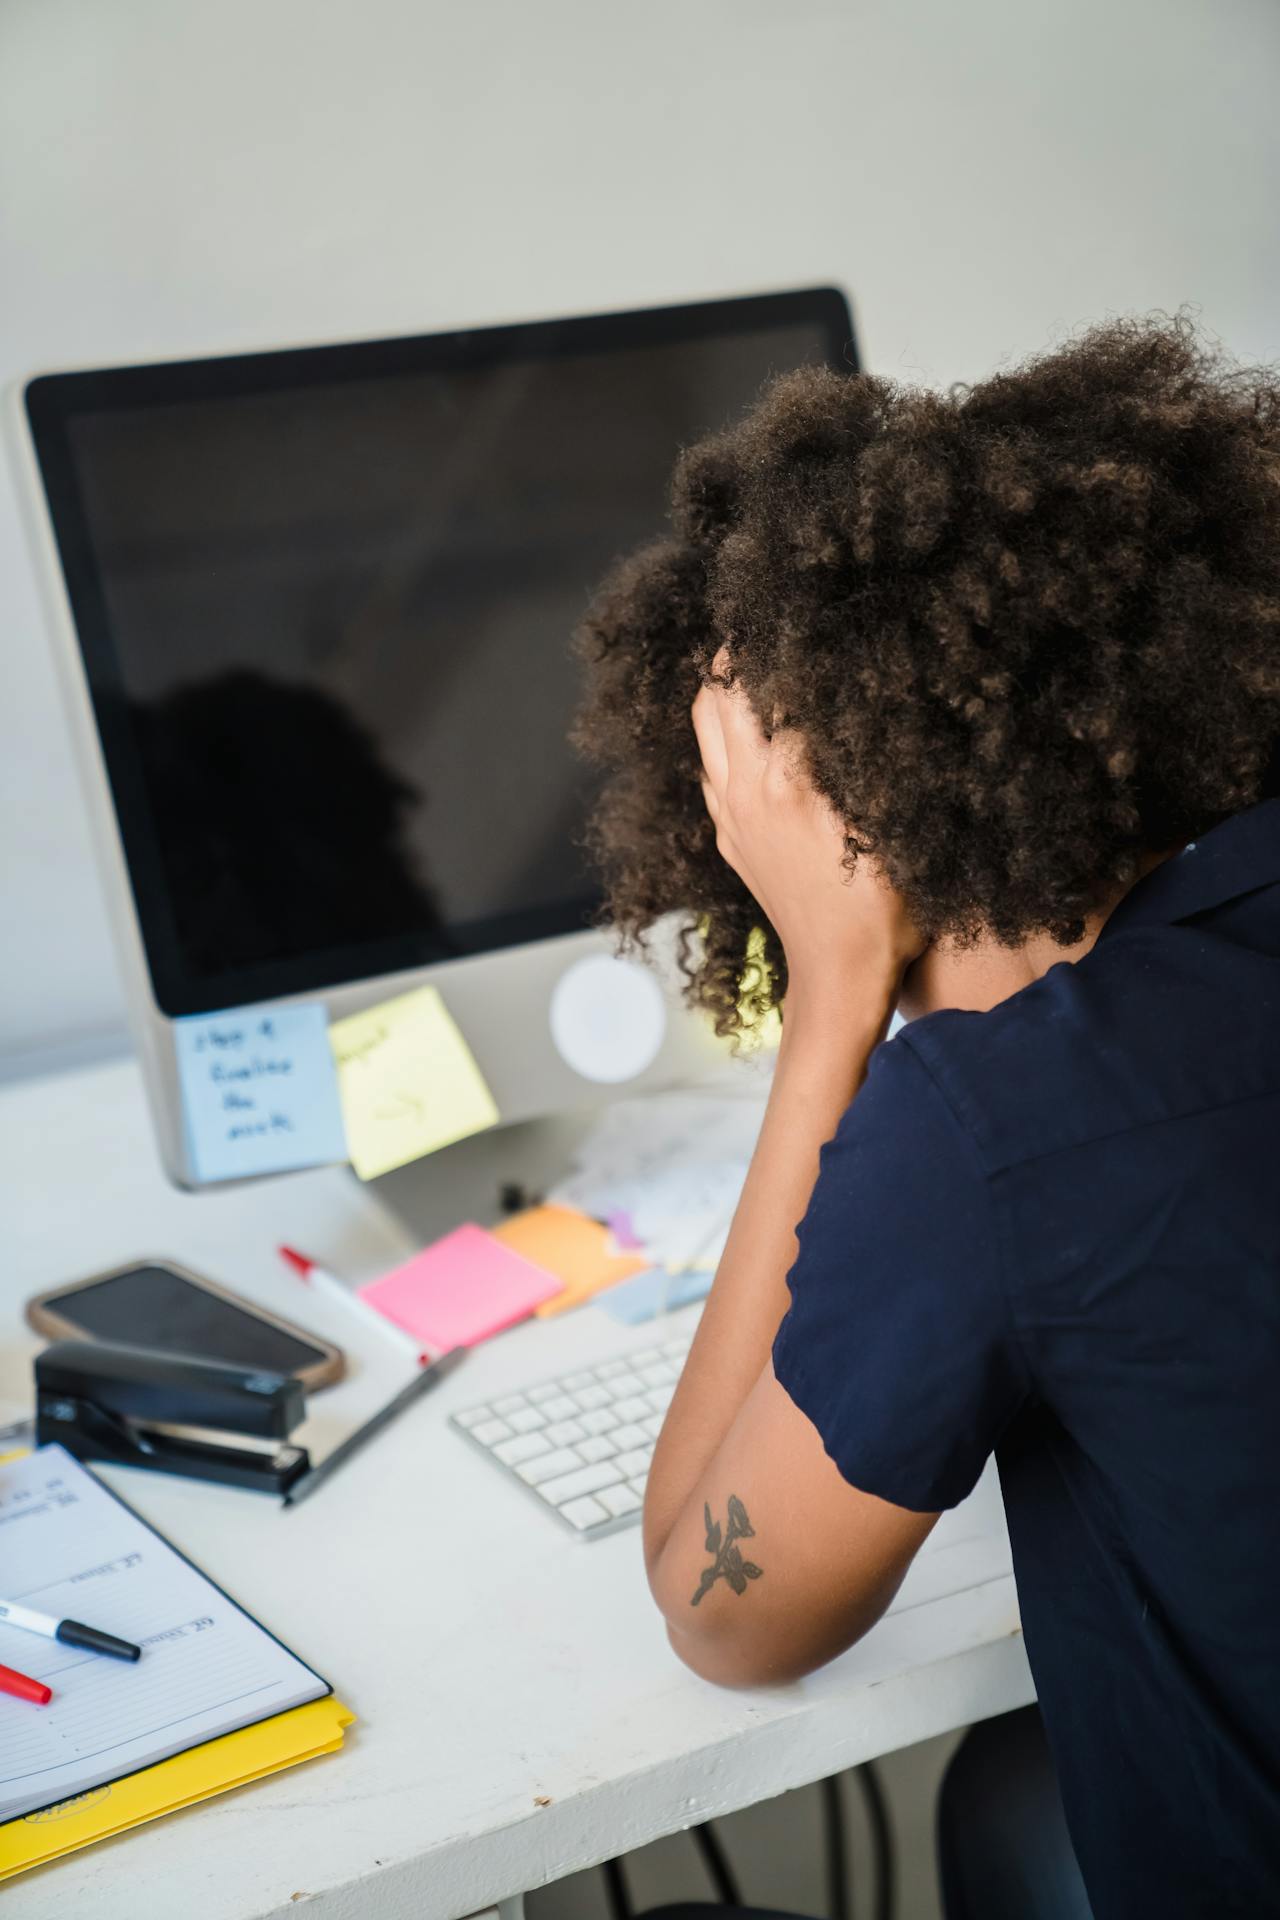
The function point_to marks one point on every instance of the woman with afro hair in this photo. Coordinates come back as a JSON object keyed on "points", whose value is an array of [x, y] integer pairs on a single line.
{"points": [[966, 707]]}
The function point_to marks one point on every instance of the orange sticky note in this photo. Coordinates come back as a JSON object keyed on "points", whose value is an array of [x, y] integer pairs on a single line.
{"points": [[572, 1246]]}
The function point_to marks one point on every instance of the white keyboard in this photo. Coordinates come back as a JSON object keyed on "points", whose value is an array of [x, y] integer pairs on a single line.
{"points": [[582, 1443]]}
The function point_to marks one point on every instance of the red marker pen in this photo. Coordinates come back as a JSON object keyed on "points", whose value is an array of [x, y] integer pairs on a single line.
{"points": [[23, 1687], [332, 1288]]}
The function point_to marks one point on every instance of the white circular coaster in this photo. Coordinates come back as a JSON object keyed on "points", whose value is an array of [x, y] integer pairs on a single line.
{"points": [[608, 1017]]}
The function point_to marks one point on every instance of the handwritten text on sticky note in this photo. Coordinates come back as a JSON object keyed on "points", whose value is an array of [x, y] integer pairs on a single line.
{"points": [[259, 1091], [408, 1082]]}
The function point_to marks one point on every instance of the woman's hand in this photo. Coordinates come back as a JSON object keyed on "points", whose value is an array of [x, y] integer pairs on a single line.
{"points": [[787, 846]]}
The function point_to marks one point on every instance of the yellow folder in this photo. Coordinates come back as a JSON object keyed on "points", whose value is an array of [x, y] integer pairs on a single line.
{"points": [[195, 1775]]}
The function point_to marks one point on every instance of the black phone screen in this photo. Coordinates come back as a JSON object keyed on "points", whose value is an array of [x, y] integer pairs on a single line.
{"points": [[155, 1307]]}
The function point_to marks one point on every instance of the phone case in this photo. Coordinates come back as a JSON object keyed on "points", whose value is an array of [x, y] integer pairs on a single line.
{"points": [[52, 1315]]}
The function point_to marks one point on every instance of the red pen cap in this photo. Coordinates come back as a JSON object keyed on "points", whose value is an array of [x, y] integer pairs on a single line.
{"points": [[23, 1687]]}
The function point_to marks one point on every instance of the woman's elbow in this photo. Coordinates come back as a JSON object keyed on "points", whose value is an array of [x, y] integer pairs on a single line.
{"points": [[732, 1644], [740, 1659], [728, 1646]]}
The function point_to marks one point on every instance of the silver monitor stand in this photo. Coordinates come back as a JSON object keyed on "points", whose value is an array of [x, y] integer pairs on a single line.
{"points": [[467, 1181]]}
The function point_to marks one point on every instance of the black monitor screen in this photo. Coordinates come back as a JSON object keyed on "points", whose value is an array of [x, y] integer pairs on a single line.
{"points": [[325, 600]]}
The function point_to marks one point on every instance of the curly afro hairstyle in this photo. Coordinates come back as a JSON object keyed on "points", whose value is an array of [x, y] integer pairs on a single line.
{"points": [[1026, 631]]}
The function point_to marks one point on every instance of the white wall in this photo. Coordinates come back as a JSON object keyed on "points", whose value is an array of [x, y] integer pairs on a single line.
{"points": [[182, 178]]}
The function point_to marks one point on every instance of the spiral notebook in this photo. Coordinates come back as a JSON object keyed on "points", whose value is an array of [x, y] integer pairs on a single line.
{"points": [[70, 1548]]}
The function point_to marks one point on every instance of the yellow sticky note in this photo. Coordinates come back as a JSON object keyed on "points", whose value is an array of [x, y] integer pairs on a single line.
{"points": [[408, 1082], [570, 1245]]}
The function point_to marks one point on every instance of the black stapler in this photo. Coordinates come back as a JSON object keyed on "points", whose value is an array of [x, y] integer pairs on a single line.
{"points": [[103, 1401]]}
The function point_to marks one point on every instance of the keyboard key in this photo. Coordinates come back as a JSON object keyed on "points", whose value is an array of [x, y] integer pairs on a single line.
{"points": [[565, 1432], [633, 1408], [527, 1420], [525, 1446], [511, 1404], [628, 1465], [610, 1369], [549, 1390], [548, 1465], [600, 1420], [561, 1408], [575, 1382], [659, 1399], [620, 1499], [582, 1480], [630, 1436], [659, 1376], [676, 1350], [637, 1487], [653, 1425], [584, 1513], [474, 1417], [491, 1431], [624, 1384], [595, 1447], [593, 1396], [647, 1357]]}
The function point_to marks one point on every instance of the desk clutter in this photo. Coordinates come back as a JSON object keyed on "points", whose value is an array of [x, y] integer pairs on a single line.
{"points": [[131, 1685], [637, 1225], [211, 1700]]}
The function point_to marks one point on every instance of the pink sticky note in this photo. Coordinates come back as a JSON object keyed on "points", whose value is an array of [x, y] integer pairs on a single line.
{"points": [[460, 1290]]}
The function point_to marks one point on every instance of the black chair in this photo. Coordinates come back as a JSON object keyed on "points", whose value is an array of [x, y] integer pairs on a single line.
{"points": [[728, 1897]]}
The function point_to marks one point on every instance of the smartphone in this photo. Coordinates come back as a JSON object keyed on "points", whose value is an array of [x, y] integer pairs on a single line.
{"points": [[159, 1304]]}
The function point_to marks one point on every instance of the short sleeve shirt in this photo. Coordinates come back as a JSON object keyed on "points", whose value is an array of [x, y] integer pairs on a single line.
{"points": [[1052, 1232]]}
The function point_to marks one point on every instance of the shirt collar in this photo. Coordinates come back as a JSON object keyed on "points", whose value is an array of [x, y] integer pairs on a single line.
{"points": [[1238, 856]]}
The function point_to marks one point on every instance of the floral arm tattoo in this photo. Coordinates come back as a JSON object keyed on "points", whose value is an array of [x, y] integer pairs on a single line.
{"points": [[728, 1563]]}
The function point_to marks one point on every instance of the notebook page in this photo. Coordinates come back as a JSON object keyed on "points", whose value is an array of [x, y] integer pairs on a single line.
{"points": [[67, 1548]]}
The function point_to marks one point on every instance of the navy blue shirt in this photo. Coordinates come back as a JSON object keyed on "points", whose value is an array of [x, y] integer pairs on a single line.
{"points": [[1053, 1231]]}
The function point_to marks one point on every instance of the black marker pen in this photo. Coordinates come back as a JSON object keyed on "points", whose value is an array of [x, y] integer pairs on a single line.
{"points": [[73, 1633]]}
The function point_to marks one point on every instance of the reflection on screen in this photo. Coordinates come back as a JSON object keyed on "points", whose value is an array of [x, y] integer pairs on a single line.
{"points": [[342, 616]]}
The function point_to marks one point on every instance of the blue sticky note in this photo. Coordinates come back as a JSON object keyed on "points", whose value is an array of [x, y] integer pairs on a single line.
{"points": [[259, 1091], [641, 1297]]}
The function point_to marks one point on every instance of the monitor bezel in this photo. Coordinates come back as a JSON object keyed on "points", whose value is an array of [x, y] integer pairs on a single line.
{"points": [[52, 401]]}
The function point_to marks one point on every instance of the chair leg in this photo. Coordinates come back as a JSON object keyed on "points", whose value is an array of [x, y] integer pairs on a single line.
{"points": [[882, 1849], [839, 1892], [836, 1846], [717, 1865], [615, 1890]]}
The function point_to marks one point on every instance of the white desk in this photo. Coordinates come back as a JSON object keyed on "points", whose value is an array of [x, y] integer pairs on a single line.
{"points": [[494, 1662]]}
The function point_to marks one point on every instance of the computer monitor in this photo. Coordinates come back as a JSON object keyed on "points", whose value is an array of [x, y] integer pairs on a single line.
{"points": [[314, 609]]}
